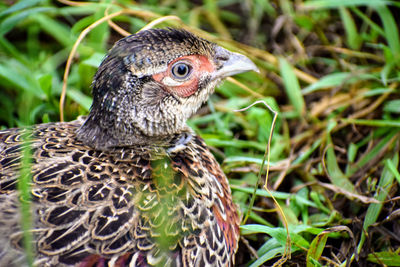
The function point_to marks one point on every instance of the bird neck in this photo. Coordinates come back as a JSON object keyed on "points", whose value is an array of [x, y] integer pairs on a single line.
{"points": [[104, 132]]}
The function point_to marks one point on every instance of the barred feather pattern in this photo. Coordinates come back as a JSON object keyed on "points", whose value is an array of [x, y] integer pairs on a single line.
{"points": [[166, 204]]}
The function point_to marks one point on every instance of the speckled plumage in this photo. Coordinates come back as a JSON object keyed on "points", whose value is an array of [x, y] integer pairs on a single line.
{"points": [[110, 191]]}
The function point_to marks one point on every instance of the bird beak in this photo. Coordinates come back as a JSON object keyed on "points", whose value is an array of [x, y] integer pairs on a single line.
{"points": [[232, 63]]}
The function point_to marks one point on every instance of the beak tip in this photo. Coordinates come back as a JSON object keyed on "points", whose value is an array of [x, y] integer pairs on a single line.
{"points": [[256, 69], [250, 64]]}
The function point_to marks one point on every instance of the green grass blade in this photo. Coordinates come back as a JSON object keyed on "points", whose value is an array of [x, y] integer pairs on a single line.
{"points": [[374, 209], [20, 5], [24, 182], [337, 79], [336, 175], [316, 248], [80, 98], [352, 37], [292, 87], [373, 123], [319, 4], [268, 256], [56, 29], [391, 30], [373, 153], [11, 21], [21, 77], [387, 258]]}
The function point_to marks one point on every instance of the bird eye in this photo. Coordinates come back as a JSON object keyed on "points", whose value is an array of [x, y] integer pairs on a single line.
{"points": [[181, 70]]}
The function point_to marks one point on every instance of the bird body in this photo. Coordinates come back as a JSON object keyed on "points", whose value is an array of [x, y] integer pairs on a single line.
{"points": [[131, 184]]}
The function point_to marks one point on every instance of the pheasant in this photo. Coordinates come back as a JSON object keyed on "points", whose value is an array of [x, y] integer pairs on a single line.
{"points": [[130, 184]]}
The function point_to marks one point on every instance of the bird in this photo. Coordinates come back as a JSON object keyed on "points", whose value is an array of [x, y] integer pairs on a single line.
{"points": [[130, 184]]}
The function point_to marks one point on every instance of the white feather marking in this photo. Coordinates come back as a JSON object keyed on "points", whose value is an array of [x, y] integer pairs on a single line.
{"points": [[170, 82]]}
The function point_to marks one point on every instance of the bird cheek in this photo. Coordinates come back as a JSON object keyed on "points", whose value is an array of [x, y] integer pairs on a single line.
{"points": [[184, 89], [187, 89]]}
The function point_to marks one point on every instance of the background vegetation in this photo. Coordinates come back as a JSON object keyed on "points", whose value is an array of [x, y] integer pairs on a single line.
{"points": [[331, 70]]}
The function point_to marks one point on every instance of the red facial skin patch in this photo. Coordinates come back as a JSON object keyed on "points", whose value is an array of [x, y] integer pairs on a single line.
{"points": [[200, 64]]}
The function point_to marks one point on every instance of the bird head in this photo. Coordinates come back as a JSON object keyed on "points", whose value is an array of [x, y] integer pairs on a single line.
{"points": [[151, 82]]}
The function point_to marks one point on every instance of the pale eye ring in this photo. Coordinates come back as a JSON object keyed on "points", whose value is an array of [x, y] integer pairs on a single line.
{"points": [[181, 70]]}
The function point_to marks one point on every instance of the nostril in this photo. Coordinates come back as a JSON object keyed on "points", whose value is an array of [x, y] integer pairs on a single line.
{"points": [[221, 54], [222, 58]]}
